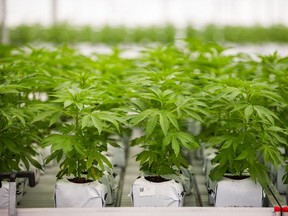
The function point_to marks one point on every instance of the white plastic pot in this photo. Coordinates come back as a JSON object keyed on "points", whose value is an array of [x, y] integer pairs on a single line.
{"points": [[145, 193], [238, 193], [207, 166], [69, 194], [281, 187], [185, 178], [45, 152], [118, 154], [194, 127], [4, 192], [188, 180], [109, 182], [208, 155], [276, 175]]}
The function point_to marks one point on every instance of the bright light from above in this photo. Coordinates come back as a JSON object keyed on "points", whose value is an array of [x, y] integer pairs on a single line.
{"points": [[149, 12]]}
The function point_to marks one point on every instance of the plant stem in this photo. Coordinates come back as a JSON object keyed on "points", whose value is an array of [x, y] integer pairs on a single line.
{"points": [[76, 121], [76, 132]]}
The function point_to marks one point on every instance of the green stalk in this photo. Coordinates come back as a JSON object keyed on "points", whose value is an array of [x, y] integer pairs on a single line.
{"points": [[76, 133], [76, 121]]}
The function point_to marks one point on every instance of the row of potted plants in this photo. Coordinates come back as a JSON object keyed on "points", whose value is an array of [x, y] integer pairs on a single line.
{"points": [[111, 35], [78, 104], [65, 32], [255, 34]]}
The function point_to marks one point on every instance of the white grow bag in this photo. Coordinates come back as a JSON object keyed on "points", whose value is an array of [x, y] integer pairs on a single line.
{"points": [[207, 167], [109, 182], [21, 184], [45, 152], [281, 187], [185, 178], [153, 194], [4, 195], [118, 154], [68, 194], [238, 193]]}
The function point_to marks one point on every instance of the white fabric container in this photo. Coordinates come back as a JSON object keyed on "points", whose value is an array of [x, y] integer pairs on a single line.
{"points": [[69, 194], [238, 193], [188, 185], [118, 154], [281, 187], [185, 178], [45, 152], [153, 194], [4, 194], [108, 181], [21, 184]]}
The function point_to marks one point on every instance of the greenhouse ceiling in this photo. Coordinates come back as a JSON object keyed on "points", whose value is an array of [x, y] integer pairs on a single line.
{"points": [[145, 12]]}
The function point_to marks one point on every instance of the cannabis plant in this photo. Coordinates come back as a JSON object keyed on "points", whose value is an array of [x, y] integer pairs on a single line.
{"points": [[83, 134], [247, 132], [82, 113], [160, 109], [18, 134]]}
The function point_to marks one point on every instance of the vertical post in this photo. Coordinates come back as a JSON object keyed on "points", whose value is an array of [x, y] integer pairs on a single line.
{"points": [[12, 195], [4, 30], [12, 199], [54, 12]]}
